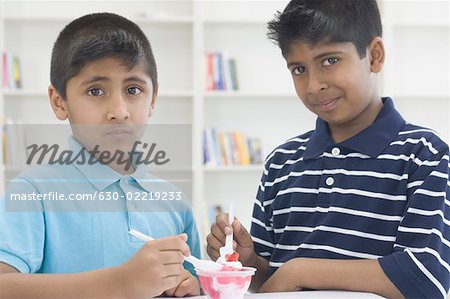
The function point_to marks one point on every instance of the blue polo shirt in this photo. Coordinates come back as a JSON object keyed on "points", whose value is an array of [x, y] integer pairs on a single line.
{"points": [[381, 194], [73, 236]]}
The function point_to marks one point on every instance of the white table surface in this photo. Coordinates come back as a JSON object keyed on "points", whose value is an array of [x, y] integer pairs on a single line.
{"points": [[308, 295]]}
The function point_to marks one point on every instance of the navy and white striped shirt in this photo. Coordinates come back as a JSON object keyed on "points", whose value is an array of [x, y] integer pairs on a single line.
{"points": [[381, 194]]}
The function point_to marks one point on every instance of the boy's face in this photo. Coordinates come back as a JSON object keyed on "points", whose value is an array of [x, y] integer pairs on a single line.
{"points": [[334, 82], [107, 103]]}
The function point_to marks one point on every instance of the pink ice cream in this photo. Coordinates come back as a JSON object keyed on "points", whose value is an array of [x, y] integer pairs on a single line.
{"points": [[230, 282]]}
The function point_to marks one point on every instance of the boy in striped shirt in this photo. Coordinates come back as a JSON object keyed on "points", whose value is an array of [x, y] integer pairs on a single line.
{"points": [[359, 203]]}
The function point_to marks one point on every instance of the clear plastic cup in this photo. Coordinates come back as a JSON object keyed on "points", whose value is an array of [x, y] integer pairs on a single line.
{"points": [[226, 284]]}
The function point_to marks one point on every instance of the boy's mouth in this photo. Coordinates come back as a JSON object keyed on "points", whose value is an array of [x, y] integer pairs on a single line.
{"points": [[327, 105], [119, 131]]}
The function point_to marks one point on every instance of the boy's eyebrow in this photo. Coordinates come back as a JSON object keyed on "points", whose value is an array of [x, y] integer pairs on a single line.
{"points": [[135, 79], [331, 53], [94, 79], [317, 57]]}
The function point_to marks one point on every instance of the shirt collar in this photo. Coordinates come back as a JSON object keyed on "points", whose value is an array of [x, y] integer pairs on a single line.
{"points": [[372, 141], [100, 175], [141, 176]]}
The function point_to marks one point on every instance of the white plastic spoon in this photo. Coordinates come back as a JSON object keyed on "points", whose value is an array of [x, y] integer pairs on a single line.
{"points": [[204, 265], [228, 248]]}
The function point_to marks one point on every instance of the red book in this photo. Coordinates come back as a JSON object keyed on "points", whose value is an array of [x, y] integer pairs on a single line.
{"points": [[209, 74], [5, 72]]}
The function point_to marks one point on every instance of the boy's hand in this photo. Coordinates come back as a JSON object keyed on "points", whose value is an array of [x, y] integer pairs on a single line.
{"points": [[155, 268], [283, 280], [243, 242], [188, 286]]}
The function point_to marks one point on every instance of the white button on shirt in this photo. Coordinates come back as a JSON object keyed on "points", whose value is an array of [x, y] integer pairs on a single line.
{"points": [[329, 181], [335, 151], [126, 180]]}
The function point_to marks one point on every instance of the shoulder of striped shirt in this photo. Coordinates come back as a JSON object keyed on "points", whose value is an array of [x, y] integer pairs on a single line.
{"points": [[429, 136], [409, 131], [289, 146]]}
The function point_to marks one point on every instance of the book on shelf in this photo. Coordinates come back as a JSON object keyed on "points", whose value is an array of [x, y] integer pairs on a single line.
{"points": [[5, 75], [11, 72], [230, 148], [224, 151], [255, 150], [218, 74], [233, 73], [209, 79], [220, 71]]}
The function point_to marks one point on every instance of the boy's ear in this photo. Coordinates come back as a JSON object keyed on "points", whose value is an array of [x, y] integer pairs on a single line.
{"points": [[58, 104], [153, 102], [376, 54]]}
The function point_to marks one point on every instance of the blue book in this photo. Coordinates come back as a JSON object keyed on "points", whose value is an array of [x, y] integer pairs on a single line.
{"points": [[218, 71]]}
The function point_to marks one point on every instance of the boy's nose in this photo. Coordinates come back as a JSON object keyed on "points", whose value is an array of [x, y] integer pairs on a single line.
{"points": [[118, 109], [316, 84]]}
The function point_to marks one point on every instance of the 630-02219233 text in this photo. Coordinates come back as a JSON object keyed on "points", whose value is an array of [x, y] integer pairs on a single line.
{"points": [[99, 195]]}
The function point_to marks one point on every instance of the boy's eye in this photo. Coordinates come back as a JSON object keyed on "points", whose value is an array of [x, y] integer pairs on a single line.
{"points": [[330, 61], [95, 92], [134, 90], [298, 70]]}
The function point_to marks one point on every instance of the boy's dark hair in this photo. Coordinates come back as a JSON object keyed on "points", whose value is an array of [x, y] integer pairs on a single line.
{"points": [[313, 21], [96, 36]]}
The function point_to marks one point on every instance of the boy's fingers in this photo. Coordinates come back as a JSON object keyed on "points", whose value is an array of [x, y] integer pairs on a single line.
{"points": [[222, 222], [188, 287], [171, 257], [213, 246], [184, 246], [183, 237], [172, 270], [174, 243], [212, 252], [170, 292], [241, 235], [171, 282], [214, 242], [217, 232], [167, 243]]}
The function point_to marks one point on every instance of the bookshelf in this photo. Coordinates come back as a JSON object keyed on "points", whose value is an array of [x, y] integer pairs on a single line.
{"points": [[416, 74], [417, 38]]}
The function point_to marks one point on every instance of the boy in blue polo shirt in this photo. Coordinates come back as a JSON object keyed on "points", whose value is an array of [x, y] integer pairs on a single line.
{"points": [[360, 202], [103, 76]]}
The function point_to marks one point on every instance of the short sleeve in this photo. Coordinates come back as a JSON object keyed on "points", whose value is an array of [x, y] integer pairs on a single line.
{"points": [[190, 228], [262, 228], [419, 266], [22, 234]]}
